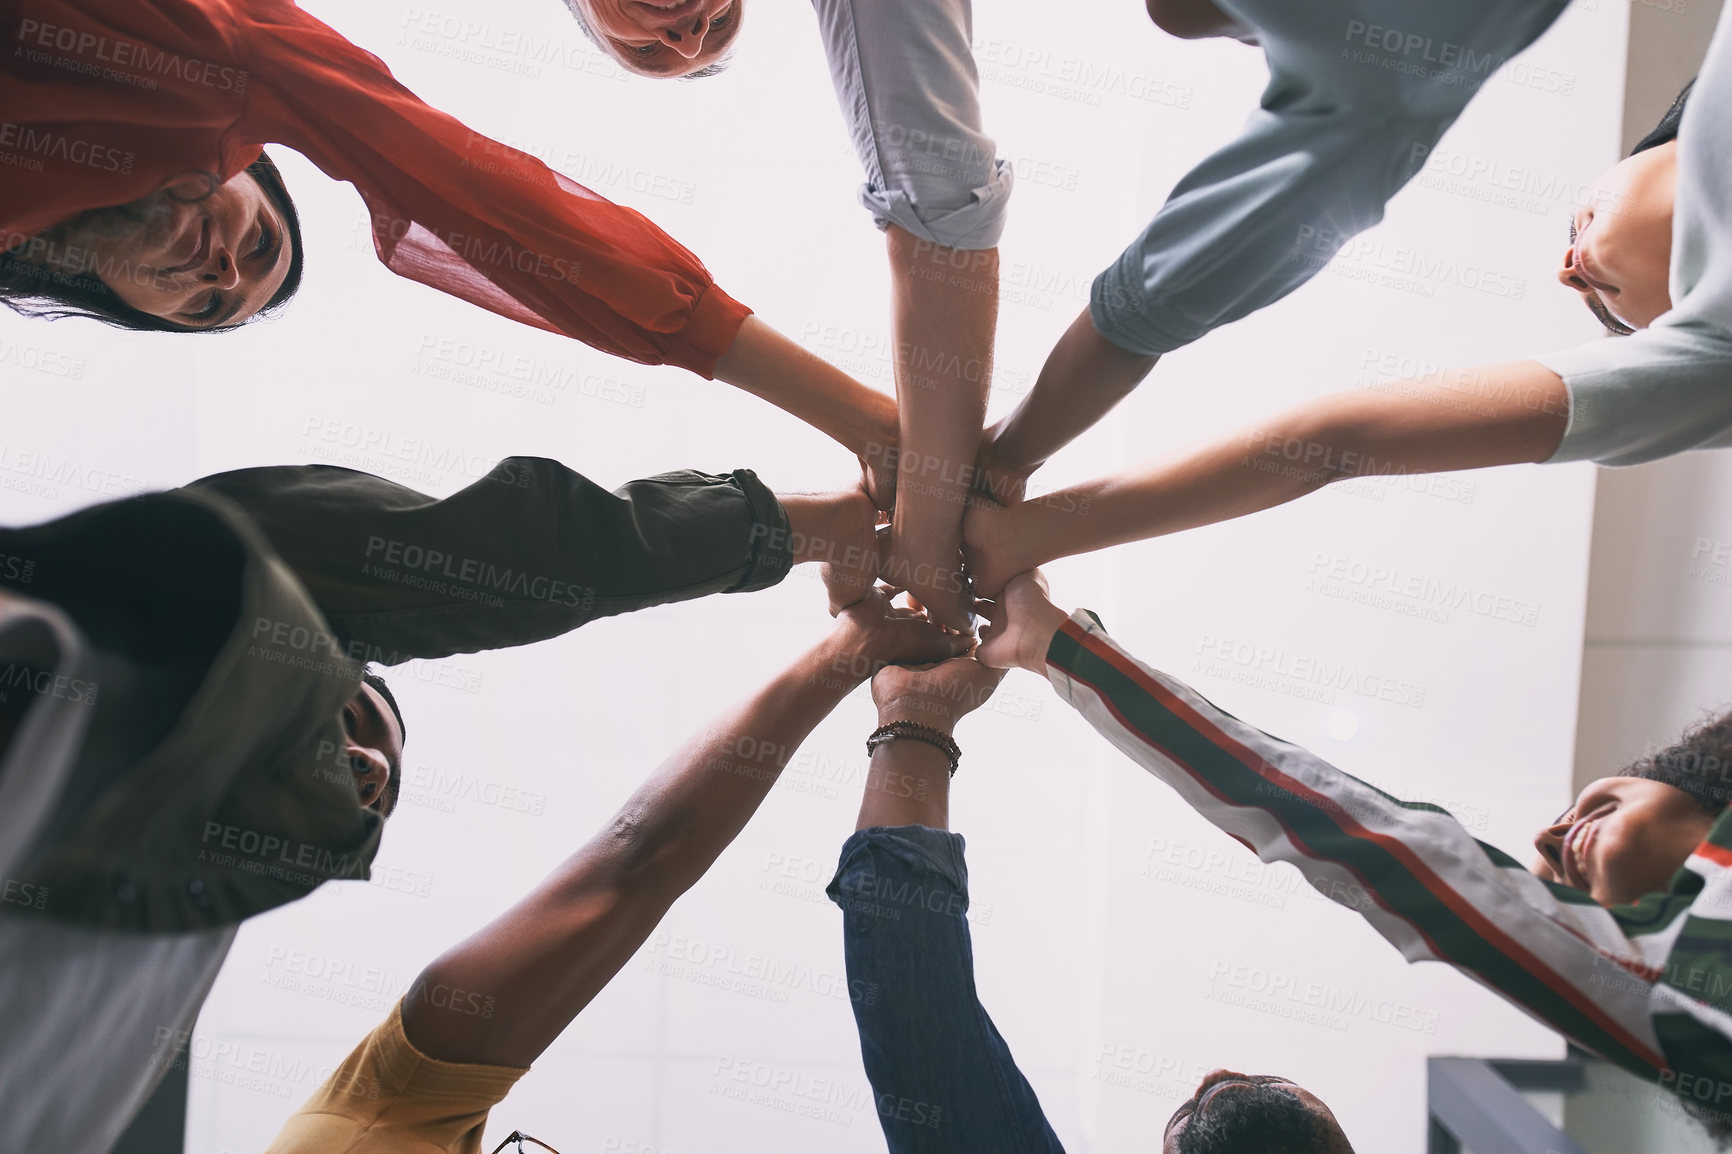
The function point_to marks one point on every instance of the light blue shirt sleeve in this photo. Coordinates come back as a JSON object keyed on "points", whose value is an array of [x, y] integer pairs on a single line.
{"points": [[1668, 389], [1359, 93], [907, 83]]}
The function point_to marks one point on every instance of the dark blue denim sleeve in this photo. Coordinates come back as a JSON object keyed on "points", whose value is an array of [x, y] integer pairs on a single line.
{"points": [[943, 1079]]}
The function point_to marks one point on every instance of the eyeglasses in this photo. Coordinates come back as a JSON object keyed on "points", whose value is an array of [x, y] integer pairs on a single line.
{"points": [[520, 1138]]}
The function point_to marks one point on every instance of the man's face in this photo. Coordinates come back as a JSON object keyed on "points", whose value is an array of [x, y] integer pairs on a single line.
{"points": [[1620, 254], [373, 743], [1624, 837], [1222, 1085], [660, 38]]}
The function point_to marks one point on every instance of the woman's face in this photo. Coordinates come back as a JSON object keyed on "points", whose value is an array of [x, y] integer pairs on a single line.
{"points": [[204, 263], [1620, 254], [1624, 837], [661, 38]]}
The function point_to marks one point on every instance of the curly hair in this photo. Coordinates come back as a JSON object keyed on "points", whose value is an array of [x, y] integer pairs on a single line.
{"points": [[1256, 1120], [1699, 763]]}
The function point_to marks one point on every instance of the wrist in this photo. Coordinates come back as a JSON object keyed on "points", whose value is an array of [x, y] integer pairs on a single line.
{"points": [[935, 713], [842, 661], [1037, 640]]}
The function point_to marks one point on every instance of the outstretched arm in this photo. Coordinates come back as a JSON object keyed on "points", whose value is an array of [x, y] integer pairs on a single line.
{"points": [[907, 85], [544, 959], [771, 367], [1463, 419], [1084, 376], [1410, 869], [943, 1077], [946, 312]]}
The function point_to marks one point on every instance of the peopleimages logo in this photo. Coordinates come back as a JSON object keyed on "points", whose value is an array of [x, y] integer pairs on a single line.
{"points": [[58, 146], [107, 56]]}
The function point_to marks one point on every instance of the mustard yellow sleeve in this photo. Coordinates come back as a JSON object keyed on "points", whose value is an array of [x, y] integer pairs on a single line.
{"points": [[387, 1097]]}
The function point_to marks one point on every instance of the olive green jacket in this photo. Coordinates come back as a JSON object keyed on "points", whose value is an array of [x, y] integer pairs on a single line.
{"points": [[252, 601]]}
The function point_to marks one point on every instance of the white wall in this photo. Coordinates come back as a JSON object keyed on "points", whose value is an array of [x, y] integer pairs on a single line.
{"points": [[1111, 965]]}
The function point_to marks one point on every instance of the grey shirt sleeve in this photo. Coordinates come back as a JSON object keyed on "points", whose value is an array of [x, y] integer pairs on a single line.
{"points": [[1347, 119], [907, 84], [1635, 399], [1668, 389], [1256, 220]]}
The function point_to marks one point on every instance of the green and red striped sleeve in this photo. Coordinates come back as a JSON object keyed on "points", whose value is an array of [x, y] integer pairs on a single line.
{"points": [[1646, 986]]}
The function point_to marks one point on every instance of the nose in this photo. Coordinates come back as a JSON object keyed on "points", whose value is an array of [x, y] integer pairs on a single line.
{"points": [[371, 771], [1549, 843], [1568, 274], [689, 40], [222, 271]]}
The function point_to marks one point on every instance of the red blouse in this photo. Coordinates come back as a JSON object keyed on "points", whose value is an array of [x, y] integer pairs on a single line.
{"points": [[101, 101]]}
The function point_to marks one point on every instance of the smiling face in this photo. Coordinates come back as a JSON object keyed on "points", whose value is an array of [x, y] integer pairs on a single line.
{"points": [[373, 745], [660, 38], [195, 260], [1264, 1112], [1624, 837], [1620, 254]]}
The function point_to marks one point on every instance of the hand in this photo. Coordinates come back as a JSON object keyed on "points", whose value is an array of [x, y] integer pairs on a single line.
{"points": [[987, 547], [852, 564], [873, 633], [840, 532], [935, 695], [1024, 620], [933, 575]]}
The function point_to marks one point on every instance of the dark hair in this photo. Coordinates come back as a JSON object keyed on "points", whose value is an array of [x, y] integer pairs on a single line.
{"points": [[1257, 1119], [34, 290], [1663, 133], [1667, 130], [1699, 763], [395, 781], [714, 68]]}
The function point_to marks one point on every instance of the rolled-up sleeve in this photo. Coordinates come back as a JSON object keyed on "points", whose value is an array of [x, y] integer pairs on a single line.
{"points": [[907, 83], [1255, 221], [532, 550]]}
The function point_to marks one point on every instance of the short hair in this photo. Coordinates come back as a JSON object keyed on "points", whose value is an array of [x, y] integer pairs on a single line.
{"points": [[33, 290], [1258, 1119], [714, 68], [394, 783], [1699, 763]]}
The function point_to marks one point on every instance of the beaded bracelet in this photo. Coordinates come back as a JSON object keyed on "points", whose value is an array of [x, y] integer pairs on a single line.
{"points": [[917, 732]]}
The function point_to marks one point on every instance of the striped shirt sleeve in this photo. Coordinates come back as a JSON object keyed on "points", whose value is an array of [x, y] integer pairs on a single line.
{"points": [[1646, 986]]}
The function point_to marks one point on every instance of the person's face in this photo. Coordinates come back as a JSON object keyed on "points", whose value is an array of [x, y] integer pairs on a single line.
{"points": [[1228, 1082], [1620, 254], [662, 38], [373, 744], [1624, 837], [202, 263]]}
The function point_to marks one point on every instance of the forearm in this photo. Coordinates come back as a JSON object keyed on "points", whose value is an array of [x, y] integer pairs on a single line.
{"points": [[770, 366], [1416, 875], [945, 315], [910, 961], [1520, 417], [1084, 376], [551, 953]]}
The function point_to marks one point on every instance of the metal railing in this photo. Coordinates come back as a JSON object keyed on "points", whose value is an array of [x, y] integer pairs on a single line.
{"points": [[1476, 1104]]}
